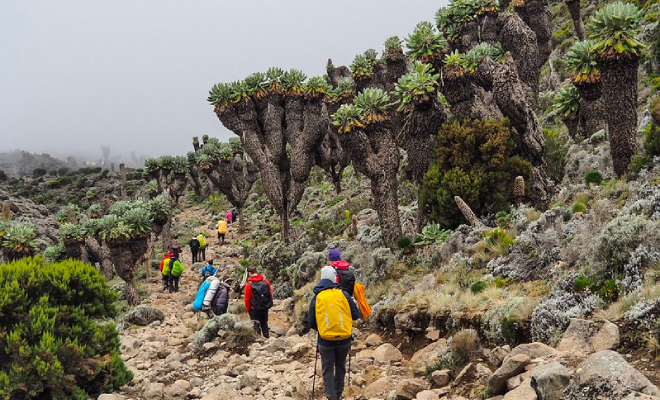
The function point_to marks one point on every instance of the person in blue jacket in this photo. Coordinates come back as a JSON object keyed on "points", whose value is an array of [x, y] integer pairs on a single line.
{"points": [[208, 270], [333, 353]]}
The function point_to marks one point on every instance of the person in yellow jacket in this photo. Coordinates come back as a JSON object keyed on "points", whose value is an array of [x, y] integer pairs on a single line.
{"points": [[202, 246], [222, 231]]}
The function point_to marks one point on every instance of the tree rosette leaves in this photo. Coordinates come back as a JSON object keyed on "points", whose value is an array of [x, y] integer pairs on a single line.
{"points": [[614, 29], [362, 66], [417, 87], [582, 61], [455, 65], [369, 107], [347, 118], [566, 103], [18, 238], [425, 43]]}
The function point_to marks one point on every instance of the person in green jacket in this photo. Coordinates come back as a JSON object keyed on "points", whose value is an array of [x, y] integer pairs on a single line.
{"points": [[202, 246], [176, 269]]}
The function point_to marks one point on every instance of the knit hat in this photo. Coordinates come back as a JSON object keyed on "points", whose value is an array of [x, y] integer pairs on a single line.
{"points": [[334, 255], [329, 272]]}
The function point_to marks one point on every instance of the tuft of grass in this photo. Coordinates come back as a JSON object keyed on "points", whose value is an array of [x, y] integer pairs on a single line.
{"points": [[464, 346], [478, 287]]}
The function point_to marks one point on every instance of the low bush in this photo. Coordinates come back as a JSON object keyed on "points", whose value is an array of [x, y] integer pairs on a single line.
{"points": [[51, 345], [593, 176], [464, 346]]}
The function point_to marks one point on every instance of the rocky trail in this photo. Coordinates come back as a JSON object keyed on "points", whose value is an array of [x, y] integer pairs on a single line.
{"points": [[175, 353]]}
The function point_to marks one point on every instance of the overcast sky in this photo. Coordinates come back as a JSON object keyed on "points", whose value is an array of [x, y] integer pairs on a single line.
{"points": [[135, 74]]}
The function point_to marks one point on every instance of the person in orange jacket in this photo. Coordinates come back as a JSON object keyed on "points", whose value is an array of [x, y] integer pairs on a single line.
{"points": [[258, 300]]}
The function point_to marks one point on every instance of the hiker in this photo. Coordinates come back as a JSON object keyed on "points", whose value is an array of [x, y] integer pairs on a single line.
{"points": [[230, 217], [165, 270], [220, 302], [328, 315], [194, 248], [174, 248], [208, 270], [222, 230], [201, 254], [258, 299], [344, 271], [176, 269]]}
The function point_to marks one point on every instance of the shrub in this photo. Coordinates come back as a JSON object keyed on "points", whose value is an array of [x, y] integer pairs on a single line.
{"points": [[403, 242], [50, 343], [511, 331], [464, 346], [593, 176], [478, 287], [651, 139], [579, 207]]}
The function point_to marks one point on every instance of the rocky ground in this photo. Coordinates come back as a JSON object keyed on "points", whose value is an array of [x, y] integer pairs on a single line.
{"points": [[177, 354]]}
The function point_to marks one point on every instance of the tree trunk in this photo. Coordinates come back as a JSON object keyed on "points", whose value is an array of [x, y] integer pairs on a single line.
{"points": [[127, 256], [131, 293], [285, 228], [166, 235], [573, 125], [241, 221], [574, 9], [591, 116], [386, 203], [619, 80]]}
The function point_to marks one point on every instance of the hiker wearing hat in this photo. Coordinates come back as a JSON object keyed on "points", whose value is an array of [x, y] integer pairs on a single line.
{"points": [[344, 271], [194, 248], [201, 254], [328, 314]]}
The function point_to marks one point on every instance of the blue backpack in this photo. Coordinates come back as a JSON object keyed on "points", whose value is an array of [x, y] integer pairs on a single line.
{"points": [[199, 299]]}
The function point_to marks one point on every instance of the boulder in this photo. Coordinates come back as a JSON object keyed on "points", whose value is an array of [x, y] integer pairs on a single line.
{"points": [[373, 340], [606, 375], [427, 395], [533, 350], [387, 354], [377, 388], [179, 389], [155, 390], [522, 392], [510, 367], [497, 355], [113, 396], [583, 337], [144, 315], [550, 380], [407, 389], [441, 378]]}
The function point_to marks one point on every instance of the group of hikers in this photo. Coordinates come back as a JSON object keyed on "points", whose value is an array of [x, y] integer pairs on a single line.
{"points": [[331, 313]]}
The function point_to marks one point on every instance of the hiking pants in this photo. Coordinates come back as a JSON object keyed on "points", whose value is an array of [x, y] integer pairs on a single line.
{"points": [[202, 253], [221, 238], [262, 317], [333, 365], [166, 282], [174, 283], [194, 252]]}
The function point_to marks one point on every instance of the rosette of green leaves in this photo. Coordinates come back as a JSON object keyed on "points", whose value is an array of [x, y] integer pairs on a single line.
{"points": [[92, 193], [582, 61], [152, 187], [464, 10], [151, 165], [361, 67], [236, 145], [347, 118], [274, 76], [345, 89], [94, 211], [225, 152], [615, 28], [92, 227], [19, 238], [219, 95], [179, 165], [55, 253], [393, 43], [485, 6], [238, 92], [372, 104], [294, 82], [416, 86], [566, 103], [257, 85], [159, 209], [473, 57], [442, 18], [316, 87], [71, 233], [425, 42]]}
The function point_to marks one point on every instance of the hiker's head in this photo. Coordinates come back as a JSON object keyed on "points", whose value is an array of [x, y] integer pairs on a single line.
{"points": [[201, 233], [329, 273], [252, 271], [334, 255], [210, 262]]}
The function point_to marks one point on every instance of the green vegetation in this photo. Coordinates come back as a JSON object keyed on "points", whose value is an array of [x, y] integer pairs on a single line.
{"points": [[432, 233], [593, 176], [51, 345], [615, 28], [555, 153]]}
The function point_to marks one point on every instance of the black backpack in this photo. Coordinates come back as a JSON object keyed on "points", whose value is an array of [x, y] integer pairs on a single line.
{"points": [[262, 299]]}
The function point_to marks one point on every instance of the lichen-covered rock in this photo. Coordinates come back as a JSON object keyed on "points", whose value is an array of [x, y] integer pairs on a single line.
{"points": [[549, 381], [209, 332], [144, 315], [583, 337]]}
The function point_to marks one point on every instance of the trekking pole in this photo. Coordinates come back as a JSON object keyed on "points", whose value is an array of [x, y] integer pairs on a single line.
{"points": [[316, 358]]}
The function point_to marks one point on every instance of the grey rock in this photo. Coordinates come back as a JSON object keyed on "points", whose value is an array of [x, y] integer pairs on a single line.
{"points": [[583, 337], [550, 380], [144, 315], [511, 367]]}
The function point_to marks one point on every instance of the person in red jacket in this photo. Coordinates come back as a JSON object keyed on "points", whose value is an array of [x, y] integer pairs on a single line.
{"points": [[258, 299], [345, 273]]}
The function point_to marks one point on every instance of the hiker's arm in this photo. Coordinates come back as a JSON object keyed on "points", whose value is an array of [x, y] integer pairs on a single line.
{"points": [[311, 314], [355, 311], [248, 296], [269, 286]]}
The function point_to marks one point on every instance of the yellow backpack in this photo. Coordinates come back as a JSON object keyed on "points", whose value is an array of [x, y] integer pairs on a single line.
{"points": [[166, 266], [202, 240], [361, 300], [333, 315]]}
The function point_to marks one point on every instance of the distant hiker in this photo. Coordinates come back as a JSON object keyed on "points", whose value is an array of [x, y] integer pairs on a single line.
{"points": [[230, 217], [220, 302], [328, 314], [258, 299], [208, 270], [201, 255], [165, 270], [176, 269], [194, 248], [175, 249], [222, 231], [344, 271]]}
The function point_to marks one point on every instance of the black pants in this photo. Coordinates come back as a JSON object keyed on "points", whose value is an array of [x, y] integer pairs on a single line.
{"points": [[166, 282], [202, 253], [221, 238], [262, 317], [333, 365], [174, 283], [194, 255]]}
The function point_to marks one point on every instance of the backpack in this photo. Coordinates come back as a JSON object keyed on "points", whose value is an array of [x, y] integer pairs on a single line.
{"points": [[166, 266], [199, 299], [262, 299], [333, 315], [177, 268], [361, 300], [207, 271], [219, 303], [202, 241]]}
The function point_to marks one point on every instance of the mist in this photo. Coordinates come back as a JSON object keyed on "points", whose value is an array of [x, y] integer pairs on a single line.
{"points": [[134, 76]]}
